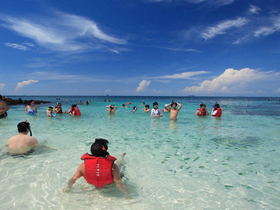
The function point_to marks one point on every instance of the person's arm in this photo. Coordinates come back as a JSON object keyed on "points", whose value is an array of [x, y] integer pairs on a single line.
{"points": [[206, 111], [35, 109], [180, 106], [115, 108], [107, 108], [167, 107], [118, 181], [26, 109], [34, 141], [76, 176], [197, 112], [6, 108]]}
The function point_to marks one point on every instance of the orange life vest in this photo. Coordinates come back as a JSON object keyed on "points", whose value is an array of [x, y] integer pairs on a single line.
{"points": [[98, 170], [202, 112], [76, 109]]}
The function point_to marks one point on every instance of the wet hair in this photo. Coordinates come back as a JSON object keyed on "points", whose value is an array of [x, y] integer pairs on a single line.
{"points": [[1, 97], [155, 103], [216, 105], [147, 106], [123, 105], [74, 105], [111, 106], [23, 126], [143, 102], [202, 104], [99, 148], [31, 102], [173, 103], [50, 108]]}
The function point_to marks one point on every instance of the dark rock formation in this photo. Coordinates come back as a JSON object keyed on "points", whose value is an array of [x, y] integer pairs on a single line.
{"points": [[10, 101]]}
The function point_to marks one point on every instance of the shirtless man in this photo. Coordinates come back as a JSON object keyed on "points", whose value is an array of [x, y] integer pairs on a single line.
{"points": [[107, 173], [146, 108], [31, 108], [3, 108], [111, 109], [21, 143], [173, 110]]}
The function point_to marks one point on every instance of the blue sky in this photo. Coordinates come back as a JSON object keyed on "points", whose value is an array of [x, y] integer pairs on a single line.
{"points": [[140, 47]]}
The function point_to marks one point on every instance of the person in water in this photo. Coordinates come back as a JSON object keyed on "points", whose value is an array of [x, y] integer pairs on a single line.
{"points": [[165, 109], [31, 108], [74, 110], [99, 168], [173, 110], [202, 111], [146, 108], [58, 109], [143, 104], [3, 108], [111, 109], [80, 102], [134, 109], [21, 143], [124, 106], [156, 111], [50, 111], [216, 111]]}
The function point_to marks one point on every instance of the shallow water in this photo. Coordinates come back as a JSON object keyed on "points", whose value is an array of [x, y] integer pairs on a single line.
{"points": [[193, 163]]}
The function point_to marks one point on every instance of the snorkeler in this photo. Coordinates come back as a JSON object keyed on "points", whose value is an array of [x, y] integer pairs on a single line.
{"points": [[146, 108], [21, 143], [50, 112], [74, 110], [99, 168], [156, 111], [202, 111], [111, 108], [134, 109], [31, 108], [174, 110], [216, 111], [58, 109], [3, 108]]}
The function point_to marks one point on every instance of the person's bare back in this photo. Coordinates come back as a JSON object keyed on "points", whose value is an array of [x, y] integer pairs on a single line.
{"points": [[21, 143]]}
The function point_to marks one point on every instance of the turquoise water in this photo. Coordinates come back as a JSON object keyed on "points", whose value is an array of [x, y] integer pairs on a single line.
{"points": [[193, 163]]}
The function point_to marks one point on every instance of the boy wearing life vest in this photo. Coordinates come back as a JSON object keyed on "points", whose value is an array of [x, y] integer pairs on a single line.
{"points": [[202, 111], [216, 111], [99, 168]]}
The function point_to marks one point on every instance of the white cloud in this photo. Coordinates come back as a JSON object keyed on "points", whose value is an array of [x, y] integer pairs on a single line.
{"points": [[142, 85], [277, 91], [107, 91], [69, 33], [182, 50], [184, 75], [25, 83], [232, 81], [267, 30], [254, 9], [16, 46], [221, 28], [2, 85]]}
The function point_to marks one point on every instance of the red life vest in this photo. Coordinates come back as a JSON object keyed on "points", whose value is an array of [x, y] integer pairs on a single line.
{"points": [[76, 109], [59, 110], [202, 112], [219, 112], [98, 170]]}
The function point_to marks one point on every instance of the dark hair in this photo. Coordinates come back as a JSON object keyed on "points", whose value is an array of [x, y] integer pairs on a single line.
{"points": [[74, 105], [155, 103], [99, 148], [147, 106], [216, 105], [0, 96], [23, 126], [202, 105], [31, 101], [173, 103]]}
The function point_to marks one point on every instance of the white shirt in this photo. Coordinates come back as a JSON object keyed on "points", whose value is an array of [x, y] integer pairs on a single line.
{"points": [[156, 112]]}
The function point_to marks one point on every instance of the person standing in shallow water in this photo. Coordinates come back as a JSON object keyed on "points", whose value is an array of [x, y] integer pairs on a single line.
{"points": [[3, 108], [173, 111], [111, 109], [31, 108], [202, 111], [99, 168], [156, 112]]}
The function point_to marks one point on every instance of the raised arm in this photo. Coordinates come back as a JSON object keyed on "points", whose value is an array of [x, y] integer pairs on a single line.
{"points": [[180, 106], [107, 108], [117, 179], [167, 107], [76, 176]]}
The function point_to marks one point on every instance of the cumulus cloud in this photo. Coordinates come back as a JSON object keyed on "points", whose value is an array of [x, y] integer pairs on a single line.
{"points": [[25, 83], [184, 75], [69, 33], [222, 27], [143, 85], [232, 81], [2, 85], [254, 9]]}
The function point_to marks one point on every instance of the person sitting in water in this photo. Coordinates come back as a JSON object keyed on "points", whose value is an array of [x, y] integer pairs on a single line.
{"points": [[173, 110], [124, 106], [146, 108], [202, 111], [134, 109], [156, 111], [3, 108], [50, 112], [99, 168], [21, 143], [74, 110], [216, 111], [143, 104], [165, 109], [80, 102], [58, 109], [111, 109], [31, 108]]}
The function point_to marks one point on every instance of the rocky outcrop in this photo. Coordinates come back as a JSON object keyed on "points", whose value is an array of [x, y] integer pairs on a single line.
{"points": [[18, 101]]}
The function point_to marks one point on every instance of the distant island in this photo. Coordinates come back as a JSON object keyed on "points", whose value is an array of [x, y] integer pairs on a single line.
{"points": [[18, 101]]}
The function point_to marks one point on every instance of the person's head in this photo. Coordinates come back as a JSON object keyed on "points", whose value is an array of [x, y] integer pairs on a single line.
{"points": [[174, 105], [216, 105], [111, 106], [123, 105], [143, 103], [73, 106], [147, 106], [59, 104], [99, 148], [24, 127], [134, 107], [50, 108], [32, 103], [202, 106], [0, 97], [155, 105]]}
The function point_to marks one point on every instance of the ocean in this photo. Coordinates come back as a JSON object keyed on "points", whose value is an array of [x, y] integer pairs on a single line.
{"points": [[195, 162]]}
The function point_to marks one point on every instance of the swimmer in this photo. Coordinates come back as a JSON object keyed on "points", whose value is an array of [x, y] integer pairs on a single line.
{"points": [[134, 109], [146, 108], [50, 111], [107, 173], [3, 108], [124, 106], [173, 111], [87, 102], [202, 111], [216, 111], [31, 108], [21, 143], [143, 104], [111, 108], [156, 112], [80, 102]]}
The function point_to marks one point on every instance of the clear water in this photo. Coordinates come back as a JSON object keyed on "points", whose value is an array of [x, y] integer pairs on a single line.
{"points": [[194, 163]]}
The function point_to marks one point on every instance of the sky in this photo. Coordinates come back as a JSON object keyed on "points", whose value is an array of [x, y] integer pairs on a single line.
{"points": [[140, 47]]}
